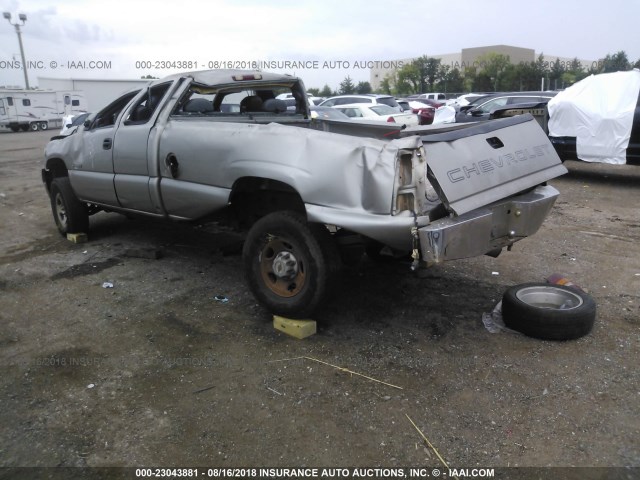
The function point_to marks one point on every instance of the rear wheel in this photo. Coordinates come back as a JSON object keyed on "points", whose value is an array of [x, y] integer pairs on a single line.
{"points": [[70, 215], [289, 264], [34, 126], [44, 126]]}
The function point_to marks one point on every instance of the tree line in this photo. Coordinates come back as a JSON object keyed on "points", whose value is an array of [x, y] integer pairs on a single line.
{"points": [[492, 72]]}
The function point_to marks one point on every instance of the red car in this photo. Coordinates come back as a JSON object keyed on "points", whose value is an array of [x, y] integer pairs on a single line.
{"points": [[421, 108]]}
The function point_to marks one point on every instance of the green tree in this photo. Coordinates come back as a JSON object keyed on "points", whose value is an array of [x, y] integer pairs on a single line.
{"points": [[429, 70], [326, 91], [450, 80], [470, 74], [408, 79], [385, 86], [615, 63], [346, 86], [493, 66], [314, 91], [556, 72], [363, 87]]}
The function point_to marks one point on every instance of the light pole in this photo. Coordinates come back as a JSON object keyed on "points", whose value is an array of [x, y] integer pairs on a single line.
{"points": [[23, 18]]}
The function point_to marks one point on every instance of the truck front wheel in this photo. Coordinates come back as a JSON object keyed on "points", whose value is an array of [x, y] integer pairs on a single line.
{"points": [[289, 264], [69, 213]]}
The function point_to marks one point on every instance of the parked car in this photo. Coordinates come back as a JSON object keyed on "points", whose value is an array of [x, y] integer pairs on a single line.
{"points": [[425, 112], [482, 110], [369, 98], [378, 112]]}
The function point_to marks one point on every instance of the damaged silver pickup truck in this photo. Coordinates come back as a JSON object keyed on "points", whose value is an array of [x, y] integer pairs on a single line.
{"points": [[309, 192]]}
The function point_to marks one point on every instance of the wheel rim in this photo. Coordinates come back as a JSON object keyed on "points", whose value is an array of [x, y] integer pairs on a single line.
{"points": [[549, 297], [61, 212], [281, 267], [34, 127]]}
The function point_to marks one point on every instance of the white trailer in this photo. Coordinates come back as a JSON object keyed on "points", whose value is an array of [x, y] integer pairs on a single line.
{"points": [[38, 109]]}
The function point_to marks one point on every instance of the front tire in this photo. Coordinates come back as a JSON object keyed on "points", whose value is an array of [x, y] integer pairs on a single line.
{"points": [[289, 264], [548, 312], [70, 215]]}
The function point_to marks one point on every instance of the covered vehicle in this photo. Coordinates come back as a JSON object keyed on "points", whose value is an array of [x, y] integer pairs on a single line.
{"points": [[310, 193], [598, 119]]}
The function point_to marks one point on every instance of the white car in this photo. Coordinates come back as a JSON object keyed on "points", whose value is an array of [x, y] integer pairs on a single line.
{"points": [[383, 113]]}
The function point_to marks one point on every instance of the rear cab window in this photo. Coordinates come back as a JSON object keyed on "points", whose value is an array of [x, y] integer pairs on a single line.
{"points": [[250, 102]]}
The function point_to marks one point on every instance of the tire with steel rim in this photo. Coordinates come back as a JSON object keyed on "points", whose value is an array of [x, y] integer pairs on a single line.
{"points": [[70, 215], [35, 126], [289, 264], [548, 312], [44, 126]]}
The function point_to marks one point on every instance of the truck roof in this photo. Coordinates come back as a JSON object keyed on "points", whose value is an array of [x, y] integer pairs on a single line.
{"points": [[229, 76]]}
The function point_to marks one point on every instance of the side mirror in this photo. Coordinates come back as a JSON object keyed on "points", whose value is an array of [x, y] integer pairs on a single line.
{"points": [[476, 113], [68, 125], [87, 123]]}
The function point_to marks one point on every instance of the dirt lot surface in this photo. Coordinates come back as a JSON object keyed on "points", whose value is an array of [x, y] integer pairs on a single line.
{"points": [[156, 372]]}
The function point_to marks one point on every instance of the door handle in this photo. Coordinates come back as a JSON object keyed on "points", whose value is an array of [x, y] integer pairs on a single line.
{"points": [[172, 163], [107, 143]]}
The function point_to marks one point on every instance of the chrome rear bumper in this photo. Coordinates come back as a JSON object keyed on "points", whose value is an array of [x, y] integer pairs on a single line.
{"points": [[481, 231]]}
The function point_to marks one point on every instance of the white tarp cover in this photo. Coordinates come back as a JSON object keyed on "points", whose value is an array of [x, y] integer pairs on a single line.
{"points": [[598, 111], [444, 114]]}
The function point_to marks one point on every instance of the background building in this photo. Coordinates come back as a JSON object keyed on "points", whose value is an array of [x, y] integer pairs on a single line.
{"points": [[469, 57], [97, 93]]}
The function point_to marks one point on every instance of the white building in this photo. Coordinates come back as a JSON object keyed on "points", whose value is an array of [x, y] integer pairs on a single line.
{"points": [[97, 93]]}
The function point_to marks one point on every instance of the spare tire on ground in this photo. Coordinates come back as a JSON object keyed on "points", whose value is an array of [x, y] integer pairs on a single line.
{"points": [[548, 312]]}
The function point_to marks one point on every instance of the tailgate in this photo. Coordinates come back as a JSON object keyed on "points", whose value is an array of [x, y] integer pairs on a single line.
{"points": [[489, 161]]}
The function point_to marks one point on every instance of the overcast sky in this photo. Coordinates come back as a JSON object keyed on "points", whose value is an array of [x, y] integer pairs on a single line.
{"points": [[121, 33]]}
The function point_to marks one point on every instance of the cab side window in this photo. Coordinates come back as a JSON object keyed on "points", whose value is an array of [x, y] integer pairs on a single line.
{"points": [[108, 115], [144, 109]]}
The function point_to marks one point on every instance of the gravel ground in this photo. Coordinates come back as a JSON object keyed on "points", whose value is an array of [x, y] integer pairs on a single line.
{"points": [[156, 372]]}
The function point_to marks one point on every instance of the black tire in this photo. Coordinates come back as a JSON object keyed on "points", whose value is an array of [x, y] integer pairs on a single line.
{"points": [[70, 215], [15, 128], [44, 126], [25, 128], [289, 264], [548, 312], [34, 127]]}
